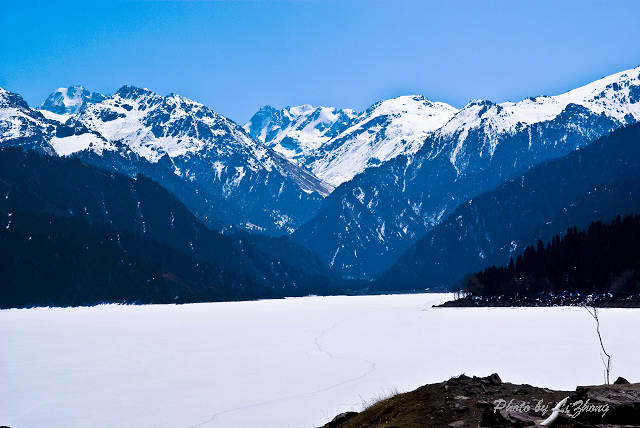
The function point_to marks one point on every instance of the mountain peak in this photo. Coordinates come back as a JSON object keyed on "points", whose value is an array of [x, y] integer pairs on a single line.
{"points": [[69, 101], [299, 132], [617, 95], [132, 92], [412, 104], [338, 144], [10, 99], [300, 110], [478, 102]]}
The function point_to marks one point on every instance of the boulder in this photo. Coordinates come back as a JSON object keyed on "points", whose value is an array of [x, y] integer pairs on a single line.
{"points": [[596, 406], [495, 380], [341, 418]]}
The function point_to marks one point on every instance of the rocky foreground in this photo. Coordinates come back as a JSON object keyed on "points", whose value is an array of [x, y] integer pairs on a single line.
{"points": [[465, 401]]}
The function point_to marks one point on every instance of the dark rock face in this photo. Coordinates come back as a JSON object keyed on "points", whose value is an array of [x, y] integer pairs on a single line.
{"points": [[592, 406], [494, 379], [461, 401]]}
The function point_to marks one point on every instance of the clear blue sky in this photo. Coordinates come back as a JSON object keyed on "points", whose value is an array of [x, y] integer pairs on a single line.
{"points": [[238, 56]]}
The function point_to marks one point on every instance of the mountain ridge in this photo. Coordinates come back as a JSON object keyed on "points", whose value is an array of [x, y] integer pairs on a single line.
{"points": [[401, 167], [366, 223], [218, 170], [347, 143], [597, 182]]}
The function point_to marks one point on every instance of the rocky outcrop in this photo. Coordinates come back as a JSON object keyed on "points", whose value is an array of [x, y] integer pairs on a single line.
{"points": [[607, 405], [616, 405], [465, 401]]}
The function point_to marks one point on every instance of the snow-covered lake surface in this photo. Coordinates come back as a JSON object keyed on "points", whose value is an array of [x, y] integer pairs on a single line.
{"points": [[282, 363]]}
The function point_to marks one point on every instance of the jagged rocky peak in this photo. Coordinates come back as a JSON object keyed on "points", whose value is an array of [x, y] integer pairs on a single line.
{"points": [[171, 106], [11, 100], [69, 101], [266, 123], [22, 126], [386, 130], [134, 92], [131, 98], [338, 144], [298, 133], [209, 161], [305, 125], [153, 126]]}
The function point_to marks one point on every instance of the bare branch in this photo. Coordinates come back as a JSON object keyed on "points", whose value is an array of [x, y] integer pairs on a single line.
{"points": [[607, 364]]}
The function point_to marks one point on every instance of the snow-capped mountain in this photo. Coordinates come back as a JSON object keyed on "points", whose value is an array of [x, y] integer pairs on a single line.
{"points": [[298, 132], [402, 166], [336, 145], [597, 182], [22, 126], [480, 127], [367, 223], [65, 102], [218, 170], [242, 181]]}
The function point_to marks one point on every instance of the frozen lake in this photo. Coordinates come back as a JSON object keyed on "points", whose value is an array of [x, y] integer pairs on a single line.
{"points": [[282, 363]]}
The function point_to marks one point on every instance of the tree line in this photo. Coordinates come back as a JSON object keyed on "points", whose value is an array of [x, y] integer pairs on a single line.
{"points": [[605, 258]]}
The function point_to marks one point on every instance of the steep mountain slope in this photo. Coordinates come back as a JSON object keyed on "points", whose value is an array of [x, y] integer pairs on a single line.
{"points": [[336, 145], [244, 182], [598, 182], [365, 224], [67, 188], [54, 261]]}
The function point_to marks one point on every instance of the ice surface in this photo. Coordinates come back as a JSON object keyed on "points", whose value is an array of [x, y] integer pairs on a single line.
{"points": [[282, 363]]}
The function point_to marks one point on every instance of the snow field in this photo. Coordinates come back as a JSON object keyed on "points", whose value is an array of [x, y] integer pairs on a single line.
{"points": [[282, 363]]}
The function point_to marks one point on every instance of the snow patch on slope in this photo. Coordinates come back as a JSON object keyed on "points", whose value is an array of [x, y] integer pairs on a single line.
{"points": [[75, 143]]}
